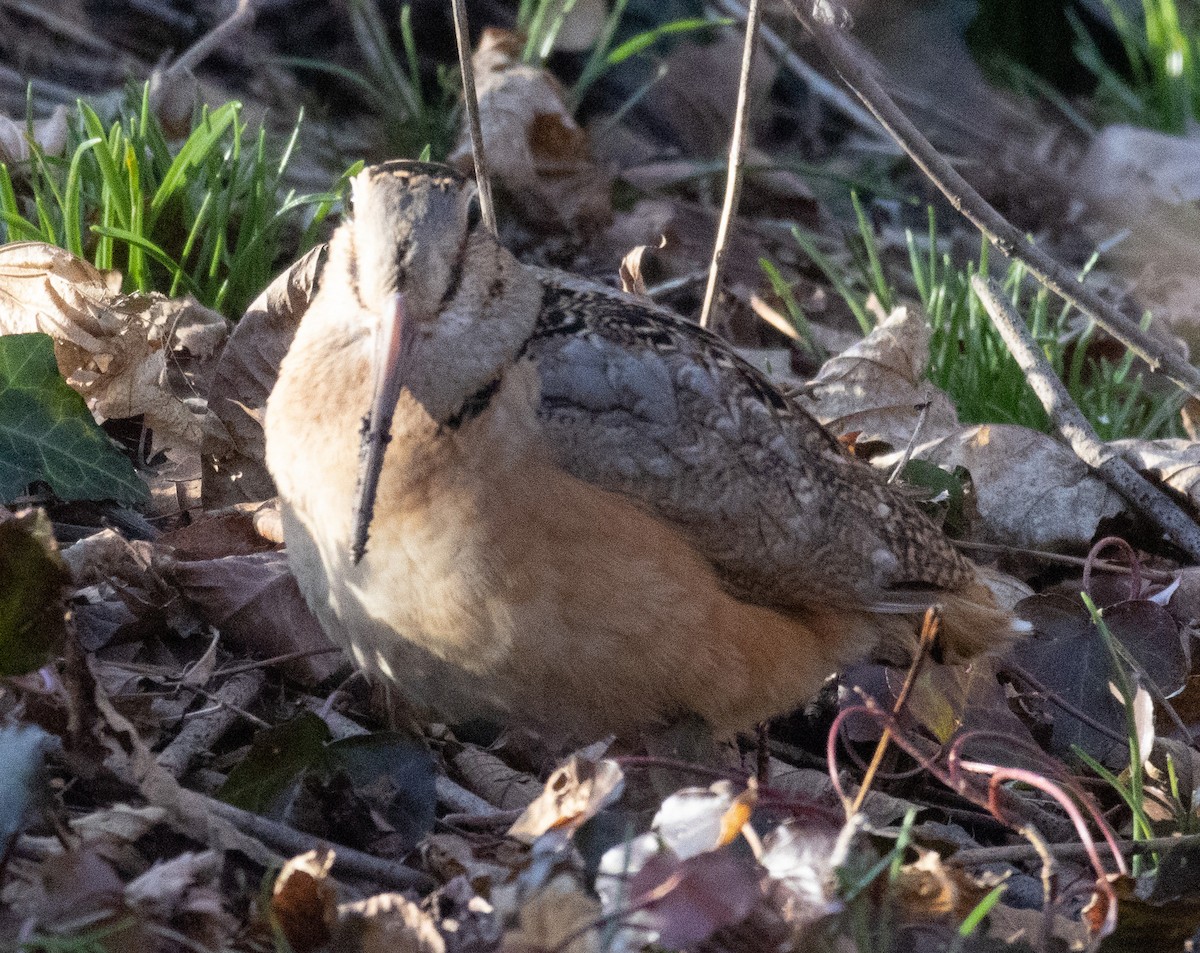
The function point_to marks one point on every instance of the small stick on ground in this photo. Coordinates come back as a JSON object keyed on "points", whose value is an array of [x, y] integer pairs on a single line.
{"points": [[290, 842], [733, 181], [912, 443], [462, 38], [1154, 575], [202, 732], [1074, 428], [859, 70]]}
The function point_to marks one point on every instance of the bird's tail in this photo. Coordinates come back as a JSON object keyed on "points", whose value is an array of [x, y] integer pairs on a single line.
{"points": [[972, 623]]}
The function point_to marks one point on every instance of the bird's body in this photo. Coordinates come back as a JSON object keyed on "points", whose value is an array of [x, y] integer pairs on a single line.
{"points": [[592, 516]]}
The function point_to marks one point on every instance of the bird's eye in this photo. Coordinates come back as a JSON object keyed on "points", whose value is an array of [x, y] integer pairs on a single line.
{"points": [[474, 213]]}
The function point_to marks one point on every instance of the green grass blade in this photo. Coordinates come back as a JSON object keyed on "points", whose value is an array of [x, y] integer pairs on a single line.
{"points": [[143, 244], [643, 41], [72, 225], [199, 145]]}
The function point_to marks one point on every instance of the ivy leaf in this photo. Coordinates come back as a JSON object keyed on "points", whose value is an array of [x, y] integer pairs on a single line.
{"points": [[47, 432], [263, 780]]}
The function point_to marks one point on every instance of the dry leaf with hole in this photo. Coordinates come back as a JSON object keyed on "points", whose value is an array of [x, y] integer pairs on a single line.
{"points": [[535, 149], [574, 793], [1030, 490], [128, 355], [877, 387]]}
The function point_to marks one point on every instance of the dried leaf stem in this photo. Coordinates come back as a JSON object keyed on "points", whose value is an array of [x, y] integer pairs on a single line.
{"points": [[859, 70], [1098, 565], [733, 180], [462, 38], [290, 842], [1074, 428]]}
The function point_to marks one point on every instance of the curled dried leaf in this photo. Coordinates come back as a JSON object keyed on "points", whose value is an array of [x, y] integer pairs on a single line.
{"points": [[534, 147]]}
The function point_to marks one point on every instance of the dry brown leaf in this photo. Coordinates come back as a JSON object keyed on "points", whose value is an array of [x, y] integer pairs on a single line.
{"points": [[633, 281], [493, 780], [128, 355], [554, 915], [233, 446], [1030, 490], [183, 894], [927, 890], [574, 792], [1174, 462], [255, 602], [448, 856], [304, 900], [534, 147], [385, 923], [877, 387]]}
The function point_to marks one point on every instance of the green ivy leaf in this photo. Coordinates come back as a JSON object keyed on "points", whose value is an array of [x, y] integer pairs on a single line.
{"points": [[262, 780], [47, 432]]}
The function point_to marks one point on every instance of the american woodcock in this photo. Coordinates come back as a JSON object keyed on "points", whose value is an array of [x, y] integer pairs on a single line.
{"points": [[592, 515]]}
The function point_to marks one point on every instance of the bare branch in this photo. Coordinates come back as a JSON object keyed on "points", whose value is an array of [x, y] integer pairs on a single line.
{"points": [[1074, 428], [733, 180]]}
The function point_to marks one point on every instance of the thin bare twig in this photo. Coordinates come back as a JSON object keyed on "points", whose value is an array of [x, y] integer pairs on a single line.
{"points": [[859, 70], [1154, 575], [1074, 428], [1015, 853], [929, 627], [462, 38], [733, 180], [912, 443], [199, 734]]}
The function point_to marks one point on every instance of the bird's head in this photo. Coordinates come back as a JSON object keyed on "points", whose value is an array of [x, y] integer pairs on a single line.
{"points": [[447, 309], [447, 305]]}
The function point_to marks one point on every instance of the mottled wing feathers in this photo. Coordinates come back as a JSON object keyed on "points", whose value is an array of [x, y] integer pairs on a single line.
{"points": [[644, 403]]}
